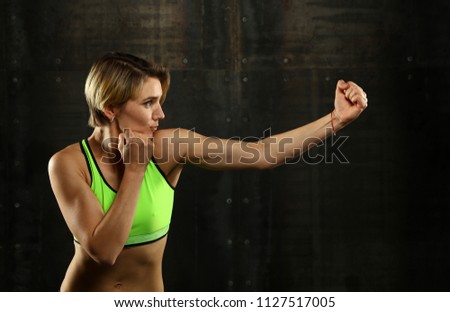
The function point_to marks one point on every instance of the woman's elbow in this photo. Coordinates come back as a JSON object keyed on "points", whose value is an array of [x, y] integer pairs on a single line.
{"points": [[107, 261], [262, 158], [266, 165], [101, 255]]}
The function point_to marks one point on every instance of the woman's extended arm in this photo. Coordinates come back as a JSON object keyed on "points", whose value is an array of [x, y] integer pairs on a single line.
{"points": [[216, 153]]}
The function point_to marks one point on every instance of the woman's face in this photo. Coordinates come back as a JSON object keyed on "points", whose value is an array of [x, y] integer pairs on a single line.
{"points": [[143, 113]]}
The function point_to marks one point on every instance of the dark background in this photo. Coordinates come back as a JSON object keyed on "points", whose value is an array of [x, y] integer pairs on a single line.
{"points": [[378, 223]]}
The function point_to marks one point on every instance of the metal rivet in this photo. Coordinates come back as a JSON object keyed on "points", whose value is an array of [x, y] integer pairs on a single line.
{"points": [[285, 60], [228, 119], [230, 283], [327, 78], [58, 79], [16, 205], [58, 61], [17, 246], [248, 282], [15, 80], [185, 60], [14, 62], [246, 200], [245, 79], [247, 242], [230, 241], [285, 78], [244, 60], [244, 19], [13, 17], [229, 201], [410, 77], [410, 59]]}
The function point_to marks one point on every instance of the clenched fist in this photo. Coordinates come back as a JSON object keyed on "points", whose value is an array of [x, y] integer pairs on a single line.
{"points": [[350, 101]]}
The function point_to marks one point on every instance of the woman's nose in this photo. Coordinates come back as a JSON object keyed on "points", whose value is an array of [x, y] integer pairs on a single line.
{"points": [[159, 113]]}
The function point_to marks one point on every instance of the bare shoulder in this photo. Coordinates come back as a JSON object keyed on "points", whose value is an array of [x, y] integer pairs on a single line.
{"points": [[166, 139], [164, 134], [169, 152], [70, 158]]}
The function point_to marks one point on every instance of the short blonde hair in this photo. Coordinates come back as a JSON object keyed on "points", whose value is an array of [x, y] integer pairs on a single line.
{"points": [[116, 78]]}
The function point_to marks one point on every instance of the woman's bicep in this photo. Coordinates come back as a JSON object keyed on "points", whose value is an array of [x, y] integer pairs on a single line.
{"points": [[222, 154], [78, 204]]}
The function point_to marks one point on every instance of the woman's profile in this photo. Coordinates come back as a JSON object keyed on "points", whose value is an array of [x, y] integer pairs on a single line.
{"points": [[115, 189]]}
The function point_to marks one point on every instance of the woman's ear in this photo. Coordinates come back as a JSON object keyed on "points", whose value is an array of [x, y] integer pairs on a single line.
{"points": [[110, 112]]}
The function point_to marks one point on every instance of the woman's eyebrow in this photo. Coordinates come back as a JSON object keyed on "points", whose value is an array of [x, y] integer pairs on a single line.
{"points": [[150, 98]]}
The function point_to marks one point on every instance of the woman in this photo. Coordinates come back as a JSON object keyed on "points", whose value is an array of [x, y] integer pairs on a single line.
{"points": [[115, 189]]}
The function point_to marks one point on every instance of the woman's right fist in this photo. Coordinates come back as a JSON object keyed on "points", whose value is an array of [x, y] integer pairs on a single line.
{"points": [[136, 148]]}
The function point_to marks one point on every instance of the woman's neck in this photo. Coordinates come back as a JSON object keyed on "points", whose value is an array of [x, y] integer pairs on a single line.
{"points": [[106, 139]]}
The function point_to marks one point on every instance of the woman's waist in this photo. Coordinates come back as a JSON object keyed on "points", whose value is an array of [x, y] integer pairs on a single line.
{"points": [[136, 269]]}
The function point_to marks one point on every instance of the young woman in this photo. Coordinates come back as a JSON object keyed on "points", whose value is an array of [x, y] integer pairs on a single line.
{"points": [[115, 189]]}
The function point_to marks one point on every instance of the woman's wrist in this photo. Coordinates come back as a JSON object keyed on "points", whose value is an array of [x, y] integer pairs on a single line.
{"points": [[336, 121], [136, 168]]}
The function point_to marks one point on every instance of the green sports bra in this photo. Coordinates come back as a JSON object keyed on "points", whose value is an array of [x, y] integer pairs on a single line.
{"points": [[154, 208]]}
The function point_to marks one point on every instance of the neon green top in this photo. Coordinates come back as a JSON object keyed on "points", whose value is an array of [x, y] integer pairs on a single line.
{"points": [[154, 208]]}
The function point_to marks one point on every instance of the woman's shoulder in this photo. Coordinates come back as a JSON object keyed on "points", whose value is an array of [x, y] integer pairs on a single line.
{"points": [[170, 133], [70, 156]]}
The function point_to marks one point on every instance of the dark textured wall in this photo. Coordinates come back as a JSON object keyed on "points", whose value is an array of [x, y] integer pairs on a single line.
{"points": [[244, 68]]}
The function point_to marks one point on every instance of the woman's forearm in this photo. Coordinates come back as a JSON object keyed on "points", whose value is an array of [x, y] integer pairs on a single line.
{"points": [[110, 235], [279, 148]]}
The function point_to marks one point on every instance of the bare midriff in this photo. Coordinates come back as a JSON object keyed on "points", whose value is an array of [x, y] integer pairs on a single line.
{"points": [[137, 268]]}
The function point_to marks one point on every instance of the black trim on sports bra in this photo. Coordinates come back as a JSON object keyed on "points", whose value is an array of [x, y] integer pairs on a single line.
{"points": [[98, 168], [162, 173], [137, 244], [87, 160], [101, 174]]}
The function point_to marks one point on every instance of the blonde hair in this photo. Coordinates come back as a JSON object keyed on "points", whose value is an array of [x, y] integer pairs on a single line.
{"points": [[117, 77]]}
